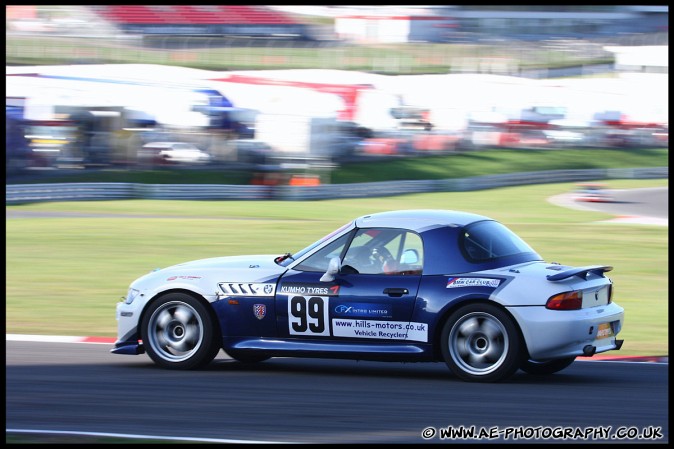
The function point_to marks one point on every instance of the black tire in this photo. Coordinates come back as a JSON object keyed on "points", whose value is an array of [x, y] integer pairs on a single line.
{"points": [[179, 332], [481, 343], [545, 368], [248, 357]]}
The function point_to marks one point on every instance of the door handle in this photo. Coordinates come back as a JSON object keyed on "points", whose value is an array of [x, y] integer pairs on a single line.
{"points": [[396, 292]]}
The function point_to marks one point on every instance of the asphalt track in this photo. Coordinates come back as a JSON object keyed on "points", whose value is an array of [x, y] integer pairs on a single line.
{"points": [[641, 206], [74, 387]]}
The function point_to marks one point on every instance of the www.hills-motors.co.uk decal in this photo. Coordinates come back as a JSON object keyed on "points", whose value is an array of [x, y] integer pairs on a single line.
{"points": [[472, 282]]}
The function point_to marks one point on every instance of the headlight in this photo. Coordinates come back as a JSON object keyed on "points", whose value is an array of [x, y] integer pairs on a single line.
{"points": [[131, 295]]}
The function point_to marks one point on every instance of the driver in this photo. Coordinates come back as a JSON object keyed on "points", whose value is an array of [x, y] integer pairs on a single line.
{"points": [[385, 260]]}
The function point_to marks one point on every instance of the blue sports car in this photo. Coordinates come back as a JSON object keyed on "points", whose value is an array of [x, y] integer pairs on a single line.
{"points": [[402, 286]]}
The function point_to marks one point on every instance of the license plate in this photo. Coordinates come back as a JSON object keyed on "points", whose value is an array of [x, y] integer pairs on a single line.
{"points": [[604, 331], [594, 298]]}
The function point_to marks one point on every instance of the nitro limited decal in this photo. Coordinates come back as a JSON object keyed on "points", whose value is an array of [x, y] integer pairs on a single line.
{"points": [[364, 310], [310, 289], [472, 282]]}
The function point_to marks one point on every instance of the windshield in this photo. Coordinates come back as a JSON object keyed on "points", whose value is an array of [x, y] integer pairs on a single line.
{"points": [[285, 261]]}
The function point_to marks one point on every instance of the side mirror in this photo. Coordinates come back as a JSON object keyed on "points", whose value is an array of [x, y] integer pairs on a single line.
{"points": [[410, 256], [333, 269]]}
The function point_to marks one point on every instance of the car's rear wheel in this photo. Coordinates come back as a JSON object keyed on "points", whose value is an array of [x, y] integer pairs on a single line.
{"points": [[481, 343], [547, 367], [178, 332]]}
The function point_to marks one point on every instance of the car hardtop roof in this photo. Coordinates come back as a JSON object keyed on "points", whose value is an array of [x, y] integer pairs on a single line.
{"points": [[418, 219]]}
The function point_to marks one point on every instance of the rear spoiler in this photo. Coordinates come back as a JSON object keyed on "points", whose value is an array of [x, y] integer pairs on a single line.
{"points": [[581, 272]]}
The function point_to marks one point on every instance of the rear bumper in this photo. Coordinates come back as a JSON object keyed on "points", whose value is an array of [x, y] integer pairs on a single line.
{"points": [[552, 334]]}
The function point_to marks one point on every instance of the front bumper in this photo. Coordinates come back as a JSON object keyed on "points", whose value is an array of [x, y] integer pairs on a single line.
{"points": [[128, 337], [130, 347]]}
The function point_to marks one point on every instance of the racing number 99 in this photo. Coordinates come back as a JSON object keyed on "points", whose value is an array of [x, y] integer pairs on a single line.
{"points": [[308, 316]]}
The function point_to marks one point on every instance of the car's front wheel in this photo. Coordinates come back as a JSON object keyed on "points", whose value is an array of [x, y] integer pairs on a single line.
{"points": [[547, 367], [178, 332], [481, 343]]}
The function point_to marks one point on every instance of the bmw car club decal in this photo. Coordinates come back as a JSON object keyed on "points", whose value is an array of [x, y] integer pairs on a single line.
{"points": [[472, 282]]}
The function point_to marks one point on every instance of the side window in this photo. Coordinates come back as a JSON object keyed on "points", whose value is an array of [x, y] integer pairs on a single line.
{"points": [[384, 251], [360, 258], [320, 259]]}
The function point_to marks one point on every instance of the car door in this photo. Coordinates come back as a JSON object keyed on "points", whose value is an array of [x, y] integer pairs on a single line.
{"points": [[372, 298]]}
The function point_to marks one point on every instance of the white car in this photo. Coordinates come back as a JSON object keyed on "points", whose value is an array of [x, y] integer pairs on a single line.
{"points": [[173, 152]]}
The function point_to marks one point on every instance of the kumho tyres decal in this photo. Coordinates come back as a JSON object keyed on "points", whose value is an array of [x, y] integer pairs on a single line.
{"points": [[472, 282], [309, 289]]}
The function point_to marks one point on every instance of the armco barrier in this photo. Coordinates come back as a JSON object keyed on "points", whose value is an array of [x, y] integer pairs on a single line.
{"points": [[96, 191], [201, 192], [28, 193]]}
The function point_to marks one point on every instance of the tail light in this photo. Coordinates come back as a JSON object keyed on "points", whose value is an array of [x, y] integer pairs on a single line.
{"points": [[565, 301]]}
